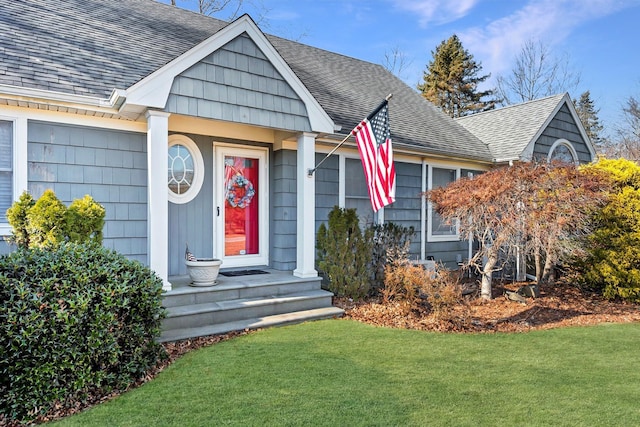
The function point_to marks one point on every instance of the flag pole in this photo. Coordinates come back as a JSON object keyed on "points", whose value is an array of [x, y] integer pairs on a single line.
{"points": [[311, 171]]}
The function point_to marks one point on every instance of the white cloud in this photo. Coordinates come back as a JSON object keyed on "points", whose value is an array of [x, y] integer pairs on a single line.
{"points": [[551, 21], [437, 11], [284, 15]]}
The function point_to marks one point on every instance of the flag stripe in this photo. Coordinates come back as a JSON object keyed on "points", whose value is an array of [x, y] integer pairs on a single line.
{"points": [[374, 144]]}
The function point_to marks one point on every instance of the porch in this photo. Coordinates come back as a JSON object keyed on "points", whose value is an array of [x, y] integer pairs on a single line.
{"points": [[243, 302]]}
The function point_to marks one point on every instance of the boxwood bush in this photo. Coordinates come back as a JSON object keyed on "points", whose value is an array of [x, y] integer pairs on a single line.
{"points": [[75, 321]]}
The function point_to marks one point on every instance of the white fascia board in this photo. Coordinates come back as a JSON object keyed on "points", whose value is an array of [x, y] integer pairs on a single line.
{"points": [[72, 119], [153, 90], [509, 159], [67, 100]]}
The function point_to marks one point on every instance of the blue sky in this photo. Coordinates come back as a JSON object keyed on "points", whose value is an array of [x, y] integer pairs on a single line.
{"points": [[600, 37]]}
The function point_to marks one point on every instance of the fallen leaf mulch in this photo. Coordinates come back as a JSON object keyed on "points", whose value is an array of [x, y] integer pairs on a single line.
{"points": [[557, 306]]}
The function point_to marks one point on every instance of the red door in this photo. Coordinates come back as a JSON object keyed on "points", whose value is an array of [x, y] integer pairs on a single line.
{"points": [[241, 205]]}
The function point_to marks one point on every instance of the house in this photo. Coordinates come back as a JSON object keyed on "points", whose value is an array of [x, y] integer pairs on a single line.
{"points": [[544, 129], [98, 96], [190, 129]]}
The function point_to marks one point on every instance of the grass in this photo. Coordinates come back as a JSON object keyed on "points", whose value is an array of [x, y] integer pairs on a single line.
{"points": [[344, 373]]}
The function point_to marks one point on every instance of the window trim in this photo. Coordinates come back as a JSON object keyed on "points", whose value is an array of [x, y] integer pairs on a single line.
{"points": [[19, 162], [567, 144], [370, 215], [431, 238], [198, 174]]}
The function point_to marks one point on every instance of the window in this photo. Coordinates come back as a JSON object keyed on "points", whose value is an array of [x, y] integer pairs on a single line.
{"points": [[562, 151], [185, 173], [439, 230], [356, 192], [6, 167]]}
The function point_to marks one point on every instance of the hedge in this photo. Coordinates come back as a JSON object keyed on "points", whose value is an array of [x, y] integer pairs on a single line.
{"points": [[75, 320]]}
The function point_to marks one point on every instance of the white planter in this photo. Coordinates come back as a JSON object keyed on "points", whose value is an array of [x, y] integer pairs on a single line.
{"points": [[203, 272]]}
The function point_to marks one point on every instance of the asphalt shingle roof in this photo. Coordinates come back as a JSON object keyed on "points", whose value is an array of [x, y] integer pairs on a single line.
{"points": [[509, 130], [91, 47]]}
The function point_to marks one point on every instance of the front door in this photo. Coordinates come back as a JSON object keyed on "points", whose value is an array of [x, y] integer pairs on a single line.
{"points": [[241, 230]]}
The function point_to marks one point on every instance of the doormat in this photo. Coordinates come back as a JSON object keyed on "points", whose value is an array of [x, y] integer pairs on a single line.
{"points": [[242, 273]]}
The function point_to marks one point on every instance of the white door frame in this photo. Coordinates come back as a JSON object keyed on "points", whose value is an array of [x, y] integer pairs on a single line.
{"points": [[220, 150]]}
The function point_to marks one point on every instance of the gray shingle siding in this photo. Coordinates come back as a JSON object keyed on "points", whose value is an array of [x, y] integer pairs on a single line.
{"points": [[5, 246], [327, 187], [562, 126], [67, 159], [99, 46], [238, 83], [192, 222], [283, 210], [405, 211]]}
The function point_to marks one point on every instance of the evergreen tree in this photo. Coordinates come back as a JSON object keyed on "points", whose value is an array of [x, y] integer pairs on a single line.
{"points": [[589, 117], [451, 81]]}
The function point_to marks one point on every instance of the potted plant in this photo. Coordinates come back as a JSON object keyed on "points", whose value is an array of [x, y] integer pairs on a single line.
{"points": [[202, 271]]}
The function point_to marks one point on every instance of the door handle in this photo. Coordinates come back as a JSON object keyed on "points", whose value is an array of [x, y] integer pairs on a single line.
{"points": [[218, 207]]}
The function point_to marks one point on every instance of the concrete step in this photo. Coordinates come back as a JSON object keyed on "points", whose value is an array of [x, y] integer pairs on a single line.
{"points": [[210, 313], [238, 289], [252, 323]]}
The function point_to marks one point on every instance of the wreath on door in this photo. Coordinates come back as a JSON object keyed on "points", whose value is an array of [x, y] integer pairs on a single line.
{"points": [[235, 196]]}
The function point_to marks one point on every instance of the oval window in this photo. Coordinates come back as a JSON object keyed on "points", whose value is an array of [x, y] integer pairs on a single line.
{"points": [[185, 172]]}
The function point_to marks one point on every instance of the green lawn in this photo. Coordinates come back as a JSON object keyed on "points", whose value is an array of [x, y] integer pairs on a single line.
{"points": [[343, 373]]}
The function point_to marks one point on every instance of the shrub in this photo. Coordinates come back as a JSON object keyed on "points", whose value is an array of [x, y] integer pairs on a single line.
{"points": [[344, 250], [47, 222], [17, 217], [420, 289], [404, 283], [84, 220], [444, 293], [390, 243], [344, 254], [612, 263], [75, 321]]}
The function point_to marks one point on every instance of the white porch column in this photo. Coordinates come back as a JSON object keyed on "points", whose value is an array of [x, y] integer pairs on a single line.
{"points": [[306, 208], [158, 201]]}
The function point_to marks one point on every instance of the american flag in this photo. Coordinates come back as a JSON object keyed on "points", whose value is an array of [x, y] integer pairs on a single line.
{"points": [[374, 143], [188, 255]]}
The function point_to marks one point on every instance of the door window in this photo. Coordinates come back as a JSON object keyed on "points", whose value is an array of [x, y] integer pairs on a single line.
{"points": [[241, 205]]}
